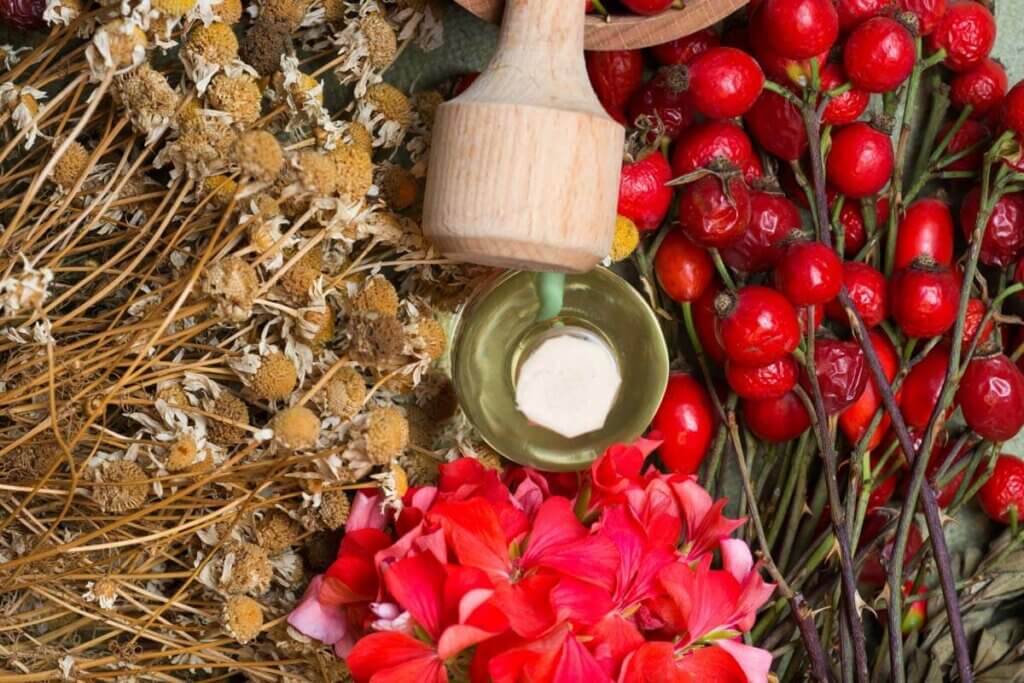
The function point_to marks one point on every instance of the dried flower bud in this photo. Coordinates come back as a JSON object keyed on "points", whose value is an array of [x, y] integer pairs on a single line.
{"points": [[391, 102], [354, 170], [264, 44], [221, 188], [181, 455], [173, 8], [275, 378], [298, 279], [243, 618], [377, 295], [399, 187], [360, 137], [426, 104], [376, 339], [289, 12], [489, 458], [229, 11], [334, 509], [147, 97], [239, 96], [430, 338], [387, 434], [251, 571], [422, 469], [259, 155], [71, 166], [317, 173], [233, 284], [346, 393], [380, 40], [123, 486], [216, 43], [277, 532], [233, 412], [296, 428]]}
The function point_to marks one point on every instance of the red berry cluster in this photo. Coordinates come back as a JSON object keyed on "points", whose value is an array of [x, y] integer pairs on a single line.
{"points": [[721, 179]]}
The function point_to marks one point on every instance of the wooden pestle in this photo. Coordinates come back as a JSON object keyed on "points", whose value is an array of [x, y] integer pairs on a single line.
{"points": [[524, 165]]}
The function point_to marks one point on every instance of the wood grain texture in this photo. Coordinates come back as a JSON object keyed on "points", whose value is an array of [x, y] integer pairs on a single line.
{"points": [[623, 32]]}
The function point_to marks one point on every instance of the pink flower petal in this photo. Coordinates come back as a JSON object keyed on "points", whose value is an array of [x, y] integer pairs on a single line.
{"points": [[366, 513], [316, 620], [755, 662]]}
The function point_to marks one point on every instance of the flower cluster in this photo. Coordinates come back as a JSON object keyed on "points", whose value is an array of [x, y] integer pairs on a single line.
{"points": [[619, 574]]}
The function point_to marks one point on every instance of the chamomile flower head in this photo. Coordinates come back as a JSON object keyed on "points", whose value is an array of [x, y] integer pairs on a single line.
{"points": [[430, 338], [181, 454], [422, 469], [423, 431], [259, 155], [436, 395], [387, 434], [242, 618], [233, 284], [426, 103], [148, 100], [28, 462], [360, 137], [334, 509], [229, 11], [296, 428], [71, 166], [228, 414], [381, 41], [121, 486], [398, 186], [61, 12], [376, 339], [264, 43], [173, 8], [318, 326], [116, 46], [288, 12], [240, 96], [626, 239], [103, 592], [377, 295], [354, 170], [173, 395], [277, 532], [316, 173], [390, 102], [214, 43], [221, 189], [250, 569], [346, 393], [300, 278], [275, 378]]}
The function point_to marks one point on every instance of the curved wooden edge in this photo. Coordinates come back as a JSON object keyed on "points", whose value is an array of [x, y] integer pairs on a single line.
{"points": [[625, 32]]}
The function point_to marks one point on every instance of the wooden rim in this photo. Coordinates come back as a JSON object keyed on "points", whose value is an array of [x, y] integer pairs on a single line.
{"points": [[624, 32]]}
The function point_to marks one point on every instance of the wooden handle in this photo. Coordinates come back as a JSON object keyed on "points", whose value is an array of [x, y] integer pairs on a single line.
{"points": [[537, 30]]}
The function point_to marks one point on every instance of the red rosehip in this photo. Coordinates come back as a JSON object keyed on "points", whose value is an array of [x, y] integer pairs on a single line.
{"points": [[983, 87], [928, 13], [924, 298], [799, 29], [756, 325], [851, 219], [686, 421], [855, 420], [785, 70], [683, 50], [772, 217], [684, 270], [944, 494], [991, 397], [853, 12], [926, 230], [867, 289], [809, 273], [664, 102], [615, 75], [1013, 110], [698, 146], [842, 373], [1004, 233], [26, 15], [705, 320], [879, 55], [762, 381], [776, 420], [976, 310], [970, 136], [884, 489], [802, 313], [915, 616], [714, 211], [922, 387], [967, 32], [860, 162], [647, 7], [845, 108], [778, 126], [644, 197], [724, 82], [1004, 489]]}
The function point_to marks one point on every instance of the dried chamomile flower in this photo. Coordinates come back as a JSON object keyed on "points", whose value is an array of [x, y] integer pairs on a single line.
{"points": [[104, 592], [259, 155], [377, 295], [390, 102], [243, 618], [387, 434], [221, 189], [376, 339], [421, 469], [398, 186], [381, 42], [334, 509], [354, 170], [250, 569], [275, 378], [346, 393], [121, 486], [28, 462], [318, 327], [316, 172], [203, 145], [22, 105], [117, 45], [148, 99], [423, 431], [71, 166], [277, 532], [393, 377], [300, 278], [296, 428], [173, 395], [288, 12], [488, 457], [233, 285], [229, 11], [264, 226], [360, 137], [227, 414], [60, 12], [426, 104], [264, 43], [238, 95], [173, 8], [436, 395], [430, 338], [182, 454], [215, 43], [626, 239]]}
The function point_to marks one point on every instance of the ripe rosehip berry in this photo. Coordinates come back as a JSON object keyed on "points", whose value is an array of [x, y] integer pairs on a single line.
{"points": [[663, 103], [799, 29], [803, 312], [924, 298], [778, 126], [855, 420], [698, 146], [785, 70], [26, 15], [772, 218], [1004, 232], [879, 55], [851, 218], [683, 50], [809, 273], [644, 197], [976, 310], [860, 162], [915, 616], [928, 13], [926, 230], [983, 87], [1004, 489], [762, 381], [972, 135], [724, 82], [686, 421], [714, 211], [967, 32], [705, 320], [922, 387], [991, 397], [867, 289], [776, 420], [647, 7], [842, 373], [616, 75], [756, 325], [845, 108], [884, 489], [684, 269], [1013, 110], [854, 12]]}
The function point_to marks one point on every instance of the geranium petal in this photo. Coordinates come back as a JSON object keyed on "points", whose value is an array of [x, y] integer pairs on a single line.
{"points": [[527, 604], [755, 662], [554, 526], [366, 513], [379, 652], [592, 559], [317, 620], [475, 533], [417, 583], [580, 602], [614, 637], [457, 638], [578, 664]]}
